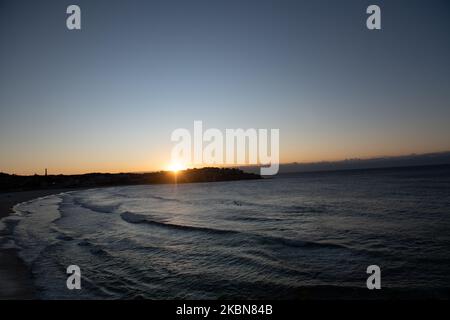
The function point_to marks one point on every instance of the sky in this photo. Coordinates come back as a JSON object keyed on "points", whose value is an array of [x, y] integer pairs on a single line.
{"points": [[106, 98]]}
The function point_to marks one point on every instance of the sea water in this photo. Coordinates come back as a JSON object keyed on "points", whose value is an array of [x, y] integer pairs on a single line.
{"points": [[267, 238]]}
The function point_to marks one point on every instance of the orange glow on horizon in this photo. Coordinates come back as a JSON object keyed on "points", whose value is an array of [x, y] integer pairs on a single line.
{"points": [[176, 167]]}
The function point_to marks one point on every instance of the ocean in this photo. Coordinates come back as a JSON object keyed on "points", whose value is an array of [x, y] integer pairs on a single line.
{"points": [[276, 238]]}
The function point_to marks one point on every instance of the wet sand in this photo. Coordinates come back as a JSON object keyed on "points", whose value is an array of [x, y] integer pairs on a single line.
{"points": [[15, 277]]}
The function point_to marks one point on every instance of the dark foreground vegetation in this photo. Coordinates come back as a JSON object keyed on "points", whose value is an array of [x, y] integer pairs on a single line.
{"points": [[10, 182]]}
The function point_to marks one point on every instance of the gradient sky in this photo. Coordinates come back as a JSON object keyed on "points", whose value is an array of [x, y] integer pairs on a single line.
{"points": [[107, 98]]}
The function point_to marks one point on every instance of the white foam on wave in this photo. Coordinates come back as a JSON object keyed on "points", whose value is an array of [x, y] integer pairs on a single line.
{"points": [[6, 226], [32, 233]]}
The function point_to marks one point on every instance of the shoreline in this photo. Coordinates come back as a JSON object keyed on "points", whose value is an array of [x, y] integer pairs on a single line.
{"points": [[15, 276]]}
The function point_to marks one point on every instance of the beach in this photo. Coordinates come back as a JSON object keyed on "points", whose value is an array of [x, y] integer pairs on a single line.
{"points": [[15, 277]]}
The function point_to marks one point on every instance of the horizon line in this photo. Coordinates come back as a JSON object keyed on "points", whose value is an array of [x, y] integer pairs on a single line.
{"points": [[241, 166]]}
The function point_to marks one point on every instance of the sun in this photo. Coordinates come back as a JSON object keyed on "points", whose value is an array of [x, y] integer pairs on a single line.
{"points": [[175, 167]]}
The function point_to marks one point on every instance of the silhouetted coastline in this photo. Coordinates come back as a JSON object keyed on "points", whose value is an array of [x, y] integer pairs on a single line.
{"points": [[11, 182]]}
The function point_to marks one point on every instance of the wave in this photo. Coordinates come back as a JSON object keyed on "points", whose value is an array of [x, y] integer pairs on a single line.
{"points": [[140, 218], [300, 243], [96, 207], [274, 207], [168, 199], [302, 209], [135, 218]]}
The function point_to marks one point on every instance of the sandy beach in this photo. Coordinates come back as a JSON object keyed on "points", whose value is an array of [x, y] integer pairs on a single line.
{"points": [[15, 278]]}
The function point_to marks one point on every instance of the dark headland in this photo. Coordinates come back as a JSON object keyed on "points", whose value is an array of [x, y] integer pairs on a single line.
{"points": [[11, 182]]}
